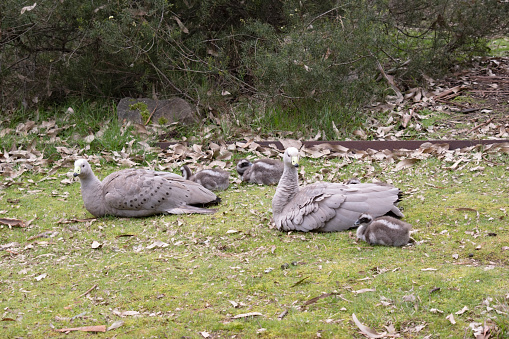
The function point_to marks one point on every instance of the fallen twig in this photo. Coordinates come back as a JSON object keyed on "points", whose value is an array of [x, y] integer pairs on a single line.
{"points": [[481, 125], [451, 103], [315, 299], [299, 282], [88, 291]]}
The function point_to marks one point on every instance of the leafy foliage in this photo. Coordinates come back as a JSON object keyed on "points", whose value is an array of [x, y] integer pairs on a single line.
{"points": [[283, 54]]}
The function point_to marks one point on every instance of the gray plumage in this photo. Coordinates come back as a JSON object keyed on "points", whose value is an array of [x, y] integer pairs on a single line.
{"points": [[261, 171], [326, 207], [140, 193], [353, 181], [387, 231], [214, 179]]}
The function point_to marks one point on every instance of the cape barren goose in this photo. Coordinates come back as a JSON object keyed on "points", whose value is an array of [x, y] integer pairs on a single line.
{"points": [[323, 206], [140, 193]]}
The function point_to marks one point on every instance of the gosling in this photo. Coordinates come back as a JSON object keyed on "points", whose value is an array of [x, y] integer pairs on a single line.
{"points": [[214, 179], [385, 230], [261, 171]]}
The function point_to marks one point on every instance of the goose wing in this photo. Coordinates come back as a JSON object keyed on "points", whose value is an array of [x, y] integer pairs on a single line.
{"points": [[331, 207], [137, 192]]}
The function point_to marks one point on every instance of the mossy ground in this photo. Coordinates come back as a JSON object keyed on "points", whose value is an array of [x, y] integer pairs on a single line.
{"points": [[234, 262]]}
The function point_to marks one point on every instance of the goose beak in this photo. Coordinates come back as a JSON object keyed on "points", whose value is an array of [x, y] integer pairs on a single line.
{"points": [[77, 171], [295, 161], [357, 223]]}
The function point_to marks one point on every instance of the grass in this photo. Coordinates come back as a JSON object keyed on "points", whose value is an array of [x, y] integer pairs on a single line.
{"points": [[499, 47], [232, 263]]}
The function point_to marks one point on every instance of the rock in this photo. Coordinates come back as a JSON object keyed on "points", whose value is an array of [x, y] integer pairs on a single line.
{"points": [[165, 111]]}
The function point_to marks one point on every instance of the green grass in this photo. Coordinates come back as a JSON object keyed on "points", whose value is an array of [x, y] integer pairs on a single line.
{"points": [[192, 285], [499, 47]]}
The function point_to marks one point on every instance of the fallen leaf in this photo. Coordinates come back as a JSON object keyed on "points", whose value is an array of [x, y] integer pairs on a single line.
{"points": [[40, 277], [299, 282], [315, 299], [291, 143], [450, 317], [368, 332], [463, 310], [28, 8], [246, 315], [88, 139], [129, 313], [405, 163], [158, 243], [409, 298], [115, 325], [205, 334], [429, 269], [99, 328], [96, 245], [435, 310], [12, 222], [181, 25], [364, 290]]}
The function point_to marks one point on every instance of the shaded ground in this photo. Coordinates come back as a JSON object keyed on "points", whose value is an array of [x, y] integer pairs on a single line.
{"points": [[483, 93]]}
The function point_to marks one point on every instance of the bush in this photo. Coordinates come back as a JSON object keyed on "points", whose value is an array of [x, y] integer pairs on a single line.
{"points": [[286, 53]]}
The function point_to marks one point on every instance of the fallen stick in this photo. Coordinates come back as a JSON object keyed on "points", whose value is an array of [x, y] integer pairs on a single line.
{"points": [[88, 291], [451, 103], [452, 90], [481, 125]]}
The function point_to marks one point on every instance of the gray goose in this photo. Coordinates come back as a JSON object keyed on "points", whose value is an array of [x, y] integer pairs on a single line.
{"points": [[385, 230], [140, 193], [214, 179], [261, 171], [323, 206]]}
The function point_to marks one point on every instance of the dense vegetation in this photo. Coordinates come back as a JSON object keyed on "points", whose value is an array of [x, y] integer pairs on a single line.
{"points": [[276, 58]]}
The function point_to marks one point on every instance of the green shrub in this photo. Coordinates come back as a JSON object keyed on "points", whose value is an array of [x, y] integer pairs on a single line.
{"points": [[283, 53]]}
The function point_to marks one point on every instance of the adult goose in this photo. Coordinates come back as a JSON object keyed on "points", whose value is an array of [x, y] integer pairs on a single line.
{"points": [[261, 171], [140, 193], [214, 179], [385, 230], [323, 206]]}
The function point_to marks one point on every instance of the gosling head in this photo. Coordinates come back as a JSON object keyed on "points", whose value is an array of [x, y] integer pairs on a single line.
{"points": [[186, 172], [242, 166], [364, 219]]}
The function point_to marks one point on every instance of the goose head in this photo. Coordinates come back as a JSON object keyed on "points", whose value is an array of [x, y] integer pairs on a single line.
{"points": [[81, 168], [291, 157]]}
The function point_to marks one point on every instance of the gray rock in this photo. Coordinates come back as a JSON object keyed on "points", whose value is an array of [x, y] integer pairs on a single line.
{"points": [[167, 111]]}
